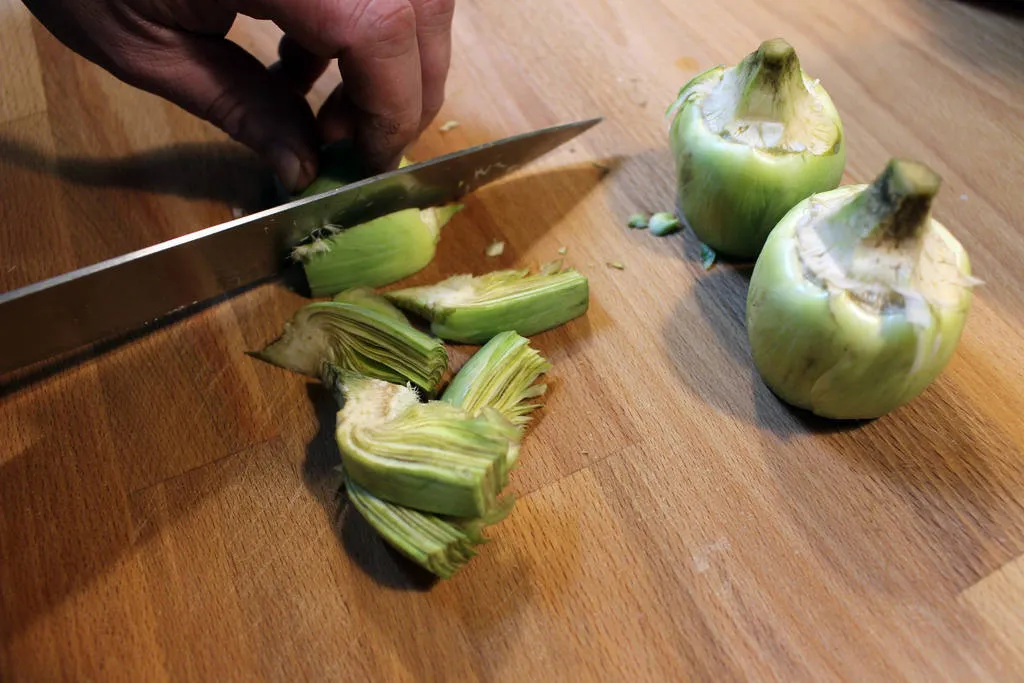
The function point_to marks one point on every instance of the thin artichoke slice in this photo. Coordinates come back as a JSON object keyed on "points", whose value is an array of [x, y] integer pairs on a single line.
{"points": [[430, 541], [501, 375], [373, 254], [358, 338], [473, 309], [441, 545]]}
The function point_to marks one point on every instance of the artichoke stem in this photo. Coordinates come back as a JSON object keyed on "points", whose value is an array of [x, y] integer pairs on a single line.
{"points": [[901, 200], [770, 83]]}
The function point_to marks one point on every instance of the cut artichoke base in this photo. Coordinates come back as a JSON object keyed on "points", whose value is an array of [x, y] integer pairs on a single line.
{"points": [[908, 277], [766, 103]]}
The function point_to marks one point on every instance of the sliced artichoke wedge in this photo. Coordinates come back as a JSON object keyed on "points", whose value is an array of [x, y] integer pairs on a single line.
{"points": [[433, 456], [363, 334], [473, 309], [501, 375], [372, 254]]}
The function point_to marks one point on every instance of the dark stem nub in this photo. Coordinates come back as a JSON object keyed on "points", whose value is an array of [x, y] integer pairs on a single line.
{"points": [[771, 82], [905, 190], [777, 55]]}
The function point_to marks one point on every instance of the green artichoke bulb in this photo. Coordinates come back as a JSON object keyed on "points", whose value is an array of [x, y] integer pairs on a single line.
{"points": [[859, 298], [750, 142], [373, 254]]}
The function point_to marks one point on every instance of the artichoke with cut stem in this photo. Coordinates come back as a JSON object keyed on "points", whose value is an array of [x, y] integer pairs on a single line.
{"points": [[751, 141], [860, 296]]}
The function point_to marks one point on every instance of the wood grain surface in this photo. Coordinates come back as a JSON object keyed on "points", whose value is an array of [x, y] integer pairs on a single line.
{"points": [[168, 508]]}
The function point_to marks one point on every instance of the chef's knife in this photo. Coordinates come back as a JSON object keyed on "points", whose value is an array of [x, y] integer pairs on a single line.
{"points": [[130, 292]]}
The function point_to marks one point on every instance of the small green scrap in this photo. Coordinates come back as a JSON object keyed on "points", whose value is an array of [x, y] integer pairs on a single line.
{"points": [[617, 265], [562, 250], [707, 256], [638, 221], [664, 223], [496, 248]]}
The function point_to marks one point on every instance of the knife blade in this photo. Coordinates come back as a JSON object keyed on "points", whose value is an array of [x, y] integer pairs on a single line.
{"points": [[69, 312]]}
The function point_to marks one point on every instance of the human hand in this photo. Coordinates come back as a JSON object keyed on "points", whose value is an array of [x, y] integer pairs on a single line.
{"points": [[393, 56]]}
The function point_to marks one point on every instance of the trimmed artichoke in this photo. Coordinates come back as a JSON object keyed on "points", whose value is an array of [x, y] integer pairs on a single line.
{"points": [[750, 142], [473, 309], [859, 298]]}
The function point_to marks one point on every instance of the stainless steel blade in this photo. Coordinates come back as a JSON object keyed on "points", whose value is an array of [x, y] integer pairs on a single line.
{"points": [[121, 295]]}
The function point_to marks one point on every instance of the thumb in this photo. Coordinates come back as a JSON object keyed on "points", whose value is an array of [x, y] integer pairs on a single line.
{"points": [[220, 82]]}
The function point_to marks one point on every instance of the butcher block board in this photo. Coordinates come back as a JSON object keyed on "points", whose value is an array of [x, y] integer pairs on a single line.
{"points": [[168, 507]]}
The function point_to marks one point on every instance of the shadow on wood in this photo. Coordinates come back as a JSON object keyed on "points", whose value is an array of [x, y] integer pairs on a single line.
{"points": [[958, 499], [73, 521], [517, 211], [1008, 8], [361, 542], [714, 372], [223, 172]]}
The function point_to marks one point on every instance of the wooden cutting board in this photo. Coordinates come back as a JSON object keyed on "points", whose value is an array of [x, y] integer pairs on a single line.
{"points": [[168, 509]]}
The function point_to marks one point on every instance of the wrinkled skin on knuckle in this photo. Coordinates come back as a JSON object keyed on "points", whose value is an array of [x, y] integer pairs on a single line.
{"points": [[435, 15], [228, 112], [387, 29]]}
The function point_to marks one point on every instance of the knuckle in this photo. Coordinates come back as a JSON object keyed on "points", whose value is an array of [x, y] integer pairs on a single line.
{"points": [[402, 124], [388, 24], [226, 111], [435, 14]]}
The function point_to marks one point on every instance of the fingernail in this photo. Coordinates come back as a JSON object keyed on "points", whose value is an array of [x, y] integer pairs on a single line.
{"points": [[287, 165]]}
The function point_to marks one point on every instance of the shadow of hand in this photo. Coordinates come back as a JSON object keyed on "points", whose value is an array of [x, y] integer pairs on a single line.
{"points": [[222, 172]]}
